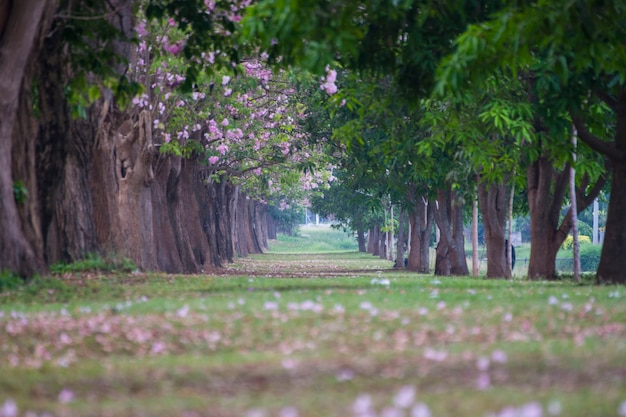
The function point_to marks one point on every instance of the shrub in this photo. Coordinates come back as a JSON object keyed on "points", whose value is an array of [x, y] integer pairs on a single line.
{"points": [[590, 257], [9, 281], [94, 262], [569, 241]]}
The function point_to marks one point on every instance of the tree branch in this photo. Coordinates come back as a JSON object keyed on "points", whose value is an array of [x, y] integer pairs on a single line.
{"points": [[595, 143], [604, 96]]}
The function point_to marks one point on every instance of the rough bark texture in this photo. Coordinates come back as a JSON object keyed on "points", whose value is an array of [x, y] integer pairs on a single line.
{"points": [[493, 206], [21, 25], [97, 184], [451, 258]]}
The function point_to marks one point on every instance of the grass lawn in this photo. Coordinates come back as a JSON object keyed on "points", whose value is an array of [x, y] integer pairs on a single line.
{"points": [[324, 333]]}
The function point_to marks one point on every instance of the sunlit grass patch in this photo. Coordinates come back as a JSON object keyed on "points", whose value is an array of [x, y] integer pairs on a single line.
{"points": [[315, 239]]}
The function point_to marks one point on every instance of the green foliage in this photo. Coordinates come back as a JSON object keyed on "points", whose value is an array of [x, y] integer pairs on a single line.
{"points": [[94, 262], [20, 192], [97, 62], [287, 219], [203, 32], [9, 281], [590, 257], [569, 241]]}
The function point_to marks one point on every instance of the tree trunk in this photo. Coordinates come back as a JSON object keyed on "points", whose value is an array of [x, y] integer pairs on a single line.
{"points": [[260, 223], [574, 213], [451, 258], [546, 190], [402, 221], [373, 240], [421, 223], [475, 260], [493, 206], [360, 237], [271, 226], [18, 41], [612, 261]]}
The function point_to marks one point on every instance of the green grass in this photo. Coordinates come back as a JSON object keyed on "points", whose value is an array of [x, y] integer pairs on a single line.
{"points": [[315, 239], [309, 331]]}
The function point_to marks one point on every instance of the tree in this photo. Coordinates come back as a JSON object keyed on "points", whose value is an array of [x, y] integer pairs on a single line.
{"points": [[579, 45], [21, 25], [83, 173]]}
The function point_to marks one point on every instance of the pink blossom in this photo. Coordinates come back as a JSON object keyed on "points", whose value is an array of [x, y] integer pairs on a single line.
{"points": [[330, 88], [213, 159], [225, 122], [225, 80], [329, 81], [174, 49], [222, 148], [141, 29], [210, 5], [331, 75]]}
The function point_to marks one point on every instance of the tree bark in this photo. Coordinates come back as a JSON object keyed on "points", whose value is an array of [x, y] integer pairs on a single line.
{"points": [[546, 190], [612, 261], [493, 205], [373, 240], [402, 223], [21, 24], [360, 237], [421, 223], [475, 260], [451, 258]]}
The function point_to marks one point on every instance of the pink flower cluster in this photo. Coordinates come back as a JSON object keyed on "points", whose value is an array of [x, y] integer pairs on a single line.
{"points": [[328, 84]]}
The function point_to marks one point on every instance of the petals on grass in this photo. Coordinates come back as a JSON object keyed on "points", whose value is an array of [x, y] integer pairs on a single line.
{"points": [[404, 397], [420, 410], [271, 305], [288, 411], [435, 355], [255, 412], [9, 409], [533, 409], [392, 412], [499, 356], [66, 396], [362, 405], [345, 375], [555, 408], [483, 381], [482, 363]]}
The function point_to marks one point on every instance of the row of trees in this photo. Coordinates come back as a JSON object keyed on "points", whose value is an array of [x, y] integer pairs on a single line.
{"points": [[114, 141], [154, 129], [492, 92]]}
